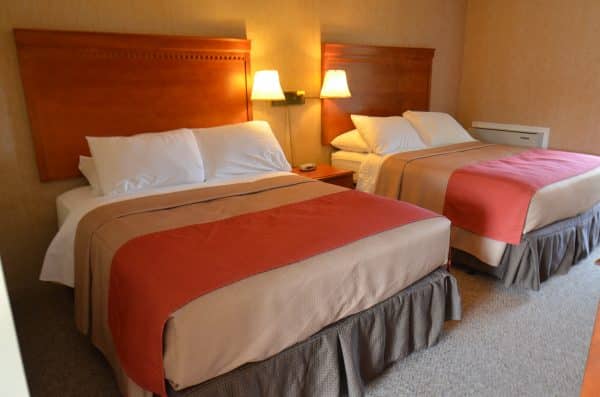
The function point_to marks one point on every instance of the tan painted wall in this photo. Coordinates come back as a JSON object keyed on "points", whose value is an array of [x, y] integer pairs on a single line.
{"points": [[535, 62], [285, 34]]}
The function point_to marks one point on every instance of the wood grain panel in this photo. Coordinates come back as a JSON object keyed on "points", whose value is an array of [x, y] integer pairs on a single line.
{"points": [[384, 81], [105, 84]]}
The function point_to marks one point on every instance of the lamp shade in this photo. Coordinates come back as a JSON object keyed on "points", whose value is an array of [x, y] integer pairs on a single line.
{"points": [[266, 86], [335, 85]]}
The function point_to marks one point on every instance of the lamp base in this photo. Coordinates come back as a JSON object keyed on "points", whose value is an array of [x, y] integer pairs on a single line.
{"points": [[291, 98]]}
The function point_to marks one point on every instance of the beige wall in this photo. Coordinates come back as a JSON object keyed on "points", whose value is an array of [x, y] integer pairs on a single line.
{"points": [[535, 62], [285, 34]]}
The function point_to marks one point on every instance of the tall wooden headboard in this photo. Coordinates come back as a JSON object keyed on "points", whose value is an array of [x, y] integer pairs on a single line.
{"points": [[102, 84], [384, 81]]}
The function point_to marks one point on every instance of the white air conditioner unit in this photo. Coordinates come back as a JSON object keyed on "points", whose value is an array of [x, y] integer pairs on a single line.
{"points": [[511, 134]]}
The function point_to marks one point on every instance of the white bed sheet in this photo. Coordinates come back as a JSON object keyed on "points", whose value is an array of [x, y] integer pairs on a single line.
{"points": [[348, 161], [66, 202], [368, 173], [59, 261]]}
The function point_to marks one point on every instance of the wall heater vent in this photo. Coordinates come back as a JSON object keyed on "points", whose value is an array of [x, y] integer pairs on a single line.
{"points": [[511, 134]]}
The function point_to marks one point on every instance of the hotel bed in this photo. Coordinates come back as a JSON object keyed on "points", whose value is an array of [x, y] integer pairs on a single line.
{"points": [[362, 274], [571, 207], [307, 288], [561, 224]]}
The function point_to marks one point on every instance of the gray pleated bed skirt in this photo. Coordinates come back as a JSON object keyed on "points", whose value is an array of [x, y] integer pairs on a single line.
{"points": [[341, 358], [543, 252]]}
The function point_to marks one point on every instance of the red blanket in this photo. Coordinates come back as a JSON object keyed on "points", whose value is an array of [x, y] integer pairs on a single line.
{"points": [[154, 275], [491, 198]]}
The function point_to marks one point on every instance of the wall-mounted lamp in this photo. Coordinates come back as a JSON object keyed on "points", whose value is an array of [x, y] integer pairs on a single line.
{"points": [[267, 87], [335, 85]]}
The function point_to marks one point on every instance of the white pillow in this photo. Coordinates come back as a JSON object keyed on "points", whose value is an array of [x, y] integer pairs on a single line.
{"points": [[437, 129], [128, 164], [350, 141], [88, 169], [239, 149], [386, 135]]}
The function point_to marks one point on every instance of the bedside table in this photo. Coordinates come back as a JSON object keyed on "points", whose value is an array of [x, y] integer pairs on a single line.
{"points": [[329, 174]]}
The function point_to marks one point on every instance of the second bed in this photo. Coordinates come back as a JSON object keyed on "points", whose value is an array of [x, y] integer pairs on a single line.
{"points": [[561, 220]]}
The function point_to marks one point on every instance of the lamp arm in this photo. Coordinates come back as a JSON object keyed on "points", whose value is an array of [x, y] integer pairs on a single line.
{"points": [[290, 135]]}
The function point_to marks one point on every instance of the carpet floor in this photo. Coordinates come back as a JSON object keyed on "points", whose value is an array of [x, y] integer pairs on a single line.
{"points": [[510, 342]]}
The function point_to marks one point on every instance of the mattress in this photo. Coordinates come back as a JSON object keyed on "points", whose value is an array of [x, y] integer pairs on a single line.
{"points": [[282, 307], [260, 316], [348, 161]]}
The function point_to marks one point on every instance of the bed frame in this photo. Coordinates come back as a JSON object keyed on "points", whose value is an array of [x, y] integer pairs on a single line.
{"points": [[80, 84], [384, 81]]}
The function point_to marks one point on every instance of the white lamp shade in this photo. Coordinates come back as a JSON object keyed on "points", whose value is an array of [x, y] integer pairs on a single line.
{"points": [[266, 86], [335, 85]]}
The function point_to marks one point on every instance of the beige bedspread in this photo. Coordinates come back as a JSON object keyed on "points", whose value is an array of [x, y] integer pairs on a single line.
{"points": [[421, 177], [257, 317]]}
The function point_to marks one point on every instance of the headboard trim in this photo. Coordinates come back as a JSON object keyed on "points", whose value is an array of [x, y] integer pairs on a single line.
{"points": [[181, 55]]}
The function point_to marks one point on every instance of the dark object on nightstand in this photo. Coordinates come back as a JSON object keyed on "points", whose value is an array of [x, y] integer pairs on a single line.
{"points": [[307, 167], [329, 174]]}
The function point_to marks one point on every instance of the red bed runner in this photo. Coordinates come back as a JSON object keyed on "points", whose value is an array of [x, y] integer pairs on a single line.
{"points": [[491, 198], [154, 275]]}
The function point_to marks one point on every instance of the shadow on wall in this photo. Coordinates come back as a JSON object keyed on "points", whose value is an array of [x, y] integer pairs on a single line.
{"points": [[230, 28]]}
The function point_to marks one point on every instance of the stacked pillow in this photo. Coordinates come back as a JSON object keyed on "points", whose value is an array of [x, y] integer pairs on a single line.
{"points": [[129, 164], [393, 134], [385, 135], [239, 149], [88, 169], [437, 129], [350, 141], [122, 165]]}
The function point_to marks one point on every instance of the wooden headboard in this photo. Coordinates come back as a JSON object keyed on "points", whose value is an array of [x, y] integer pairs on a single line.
{"points": [[384, 81], [104, 84]]}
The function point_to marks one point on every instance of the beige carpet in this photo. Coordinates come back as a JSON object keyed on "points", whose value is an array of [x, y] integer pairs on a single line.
{"points": [[510, 342]]}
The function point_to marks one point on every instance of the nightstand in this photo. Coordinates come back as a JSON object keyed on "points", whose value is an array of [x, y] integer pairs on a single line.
{"points": [[329, 174]]}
